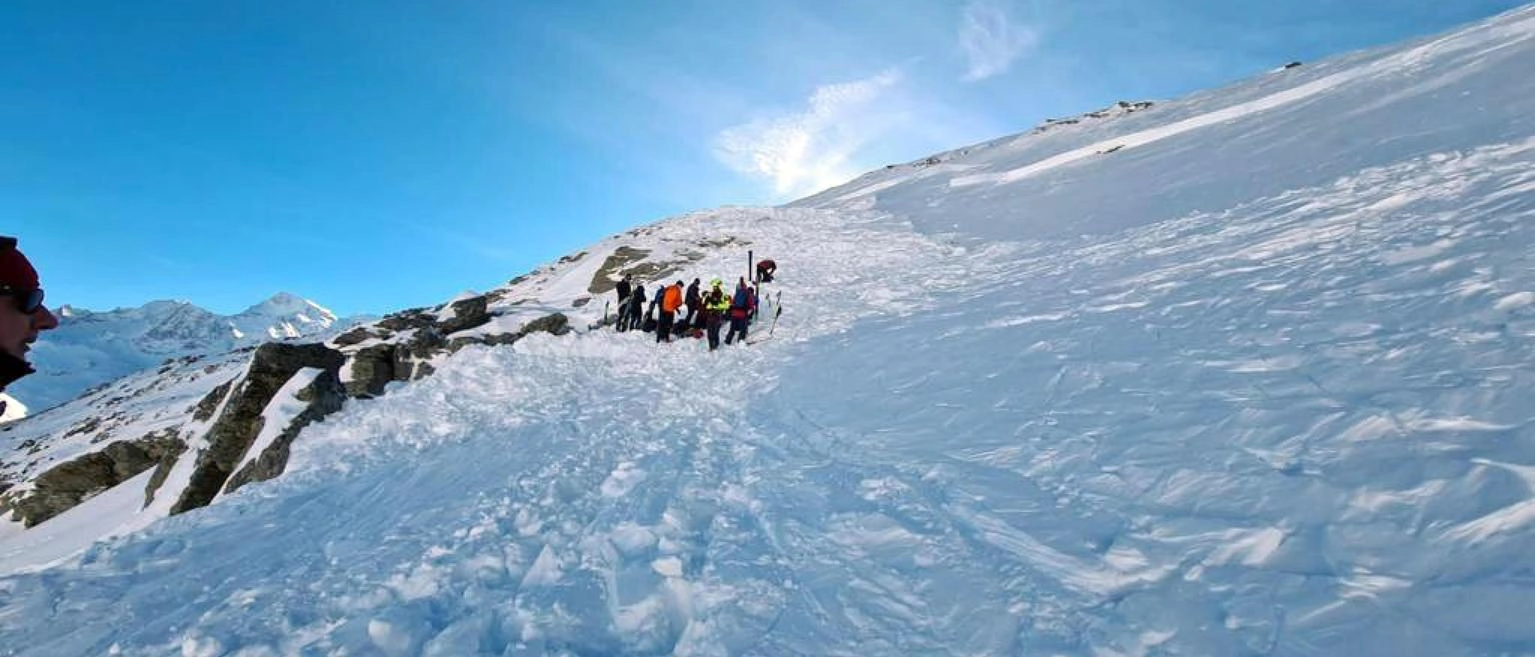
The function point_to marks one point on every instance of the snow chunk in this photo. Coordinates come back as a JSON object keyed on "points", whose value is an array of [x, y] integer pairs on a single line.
{"points": [[1515, 300], [623, 479], [667, 566], [545, 569]]}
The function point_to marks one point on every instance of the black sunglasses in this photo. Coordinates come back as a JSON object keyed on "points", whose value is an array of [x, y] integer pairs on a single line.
{"points": [[27, 301]]}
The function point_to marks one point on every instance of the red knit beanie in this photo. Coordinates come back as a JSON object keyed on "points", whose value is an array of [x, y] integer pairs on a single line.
{"points": [[15, 270]]}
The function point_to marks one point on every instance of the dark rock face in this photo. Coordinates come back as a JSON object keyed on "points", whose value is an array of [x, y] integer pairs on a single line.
{"points": [[372, 367], [238, 424], [557, 324], [325, 395], [621, 262], [407, 319], [73, 482], [467, 314], [229, 418], [412, 338], [210, 403], [355, 336]]}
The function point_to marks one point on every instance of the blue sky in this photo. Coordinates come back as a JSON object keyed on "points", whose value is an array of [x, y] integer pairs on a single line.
{"points": [[379, 155]]}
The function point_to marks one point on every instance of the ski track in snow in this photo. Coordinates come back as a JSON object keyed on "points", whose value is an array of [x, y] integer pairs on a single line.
{"points": [[602, 494]]}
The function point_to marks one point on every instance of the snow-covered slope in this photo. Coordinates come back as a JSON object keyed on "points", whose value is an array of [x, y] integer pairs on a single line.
{"points": [[91, 348], [1256, 382]]}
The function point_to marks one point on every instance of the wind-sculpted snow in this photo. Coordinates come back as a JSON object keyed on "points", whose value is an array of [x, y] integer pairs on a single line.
{"points": [[1295, 427], [1294, 423], [587, 493]]}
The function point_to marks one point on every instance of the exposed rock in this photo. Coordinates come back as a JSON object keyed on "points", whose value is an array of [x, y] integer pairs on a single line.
{"points": [[557, 324], [626, 260], [163, 468], [407, 319], [355, 336], [422, 345], [372, 367], [325, 395], [1119, 108], [87, 426], [723, 242], [70, 483], [467, 314], [238, 424], [616, 266], [210, 403]]}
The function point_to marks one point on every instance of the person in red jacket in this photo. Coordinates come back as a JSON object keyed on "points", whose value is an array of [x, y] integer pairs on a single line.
{"points": [[22, 313], [671, 300], [765, 270]]}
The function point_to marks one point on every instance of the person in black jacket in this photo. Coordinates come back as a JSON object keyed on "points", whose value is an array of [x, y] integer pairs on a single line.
{"points": [[623, 303], [636, 314], [22, 313], [695, 302]]}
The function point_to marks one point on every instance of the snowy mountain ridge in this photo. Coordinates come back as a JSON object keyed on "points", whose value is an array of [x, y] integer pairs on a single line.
{"points": [[91, 348], [1255, 382]]}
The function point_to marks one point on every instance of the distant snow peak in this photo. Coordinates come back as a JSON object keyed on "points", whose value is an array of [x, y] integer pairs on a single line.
{"points": [[90, 348], [285, 304]]}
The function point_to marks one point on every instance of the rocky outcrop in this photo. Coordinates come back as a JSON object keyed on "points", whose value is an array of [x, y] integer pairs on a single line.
{"points": [[239, 420], [324, 395], [620, 262], [466, 314], [630, 261], [1120, 108], [401, 346], [556, 324], [210, 402], [224, 424], [68, 484]]}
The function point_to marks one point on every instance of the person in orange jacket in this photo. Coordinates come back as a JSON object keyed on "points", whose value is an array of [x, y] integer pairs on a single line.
{"points": [[670, 302]]}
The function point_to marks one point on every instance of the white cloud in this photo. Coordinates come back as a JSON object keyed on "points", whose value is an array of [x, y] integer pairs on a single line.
{"points": [[810, 150], [991, 40]]}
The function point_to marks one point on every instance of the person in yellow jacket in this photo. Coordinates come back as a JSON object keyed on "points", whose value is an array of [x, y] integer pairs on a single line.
{"points": [[670, 302], [716, 304]]}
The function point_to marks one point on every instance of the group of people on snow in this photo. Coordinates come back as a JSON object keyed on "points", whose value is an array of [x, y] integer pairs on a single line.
{"points": [[677, 312]]}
